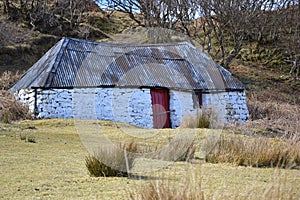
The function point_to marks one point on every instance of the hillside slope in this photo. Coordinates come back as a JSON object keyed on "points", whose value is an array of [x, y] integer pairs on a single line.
{"points": [[21, 47], [262, 69], [22, 44]]}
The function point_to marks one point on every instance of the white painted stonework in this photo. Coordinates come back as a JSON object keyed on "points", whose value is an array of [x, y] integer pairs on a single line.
{"points": [[132, 106], [127, 105], [229, 106], [181, 106]]}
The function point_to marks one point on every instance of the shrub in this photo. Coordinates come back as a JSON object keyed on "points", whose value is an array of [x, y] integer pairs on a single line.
{"points": [[6, 118], [22, 136], [252, 151], [11, 109], [111, 160], [7, 79], [31, 139]]}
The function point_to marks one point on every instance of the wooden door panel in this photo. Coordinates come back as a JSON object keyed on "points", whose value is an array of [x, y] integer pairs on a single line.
{"points": [[160, 108]]}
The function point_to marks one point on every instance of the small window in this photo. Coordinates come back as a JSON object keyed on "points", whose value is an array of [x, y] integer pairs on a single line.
{"points": [[197, 99]]}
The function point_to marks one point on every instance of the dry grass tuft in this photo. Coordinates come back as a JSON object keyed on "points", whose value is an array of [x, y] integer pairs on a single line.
{"points": [[201, 120], [252, 151], [179, 149], [166, 190], [112, 161]]}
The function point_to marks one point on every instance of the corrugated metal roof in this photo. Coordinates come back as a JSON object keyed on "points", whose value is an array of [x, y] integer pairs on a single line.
{"points": [[80, 63]]}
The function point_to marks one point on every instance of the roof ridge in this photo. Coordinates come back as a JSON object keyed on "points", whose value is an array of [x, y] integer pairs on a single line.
{"points": [[131, 44], [64, 43]]}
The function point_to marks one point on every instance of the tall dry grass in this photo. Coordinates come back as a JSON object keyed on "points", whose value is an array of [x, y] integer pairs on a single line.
{"points": [[112, 161], [164, 191], [199, 120], [252, 151], [179, 149], [189, 188]]}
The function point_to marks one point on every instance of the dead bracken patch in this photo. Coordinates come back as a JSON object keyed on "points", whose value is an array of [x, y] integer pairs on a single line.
{"points": [[11, 109]]}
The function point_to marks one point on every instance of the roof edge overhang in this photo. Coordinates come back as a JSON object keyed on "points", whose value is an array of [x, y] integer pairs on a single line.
{"points": [[205, 91]]}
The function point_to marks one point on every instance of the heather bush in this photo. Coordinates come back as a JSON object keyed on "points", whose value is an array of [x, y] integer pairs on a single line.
{"points": [[31, 138], [23, 136]]}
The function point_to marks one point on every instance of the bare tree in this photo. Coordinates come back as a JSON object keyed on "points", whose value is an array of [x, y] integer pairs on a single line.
{"points": [[161, 13], [231, 22], [221, 27], [291, 31], [44, 14]]}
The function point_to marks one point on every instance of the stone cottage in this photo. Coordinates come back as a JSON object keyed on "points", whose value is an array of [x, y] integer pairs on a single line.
{"points": [[150, 86]]}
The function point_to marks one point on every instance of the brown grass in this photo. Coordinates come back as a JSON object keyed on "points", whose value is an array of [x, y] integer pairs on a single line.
{"points": [[274, 116], [255, 151]]}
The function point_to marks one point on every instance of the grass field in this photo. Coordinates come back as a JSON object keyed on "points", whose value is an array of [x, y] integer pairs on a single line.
{"points": [[52, 166]]}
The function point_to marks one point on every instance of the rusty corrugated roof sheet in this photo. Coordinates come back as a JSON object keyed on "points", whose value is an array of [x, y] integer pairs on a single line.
{"points": [[80, 63]]}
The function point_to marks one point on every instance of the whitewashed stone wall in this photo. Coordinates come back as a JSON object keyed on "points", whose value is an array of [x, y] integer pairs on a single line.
{"points": [[228, 106], [26, 96], [181, 106], [132, 106], [55, 103]]}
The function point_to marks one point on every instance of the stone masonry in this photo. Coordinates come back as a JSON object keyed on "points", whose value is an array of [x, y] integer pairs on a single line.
{"points": [[127, 105]]}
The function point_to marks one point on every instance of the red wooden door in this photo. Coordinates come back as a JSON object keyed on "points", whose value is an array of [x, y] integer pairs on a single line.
{"points": [[160, 108]]}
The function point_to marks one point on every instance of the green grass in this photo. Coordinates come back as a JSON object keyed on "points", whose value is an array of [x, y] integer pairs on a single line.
{"points": [[54, 167]]}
